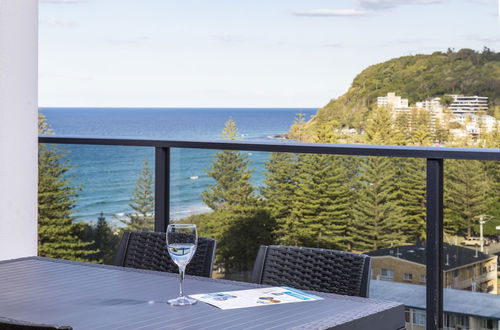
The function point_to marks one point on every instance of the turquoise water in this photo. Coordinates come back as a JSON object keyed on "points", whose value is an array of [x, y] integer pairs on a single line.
{"points": [[107, 174]]}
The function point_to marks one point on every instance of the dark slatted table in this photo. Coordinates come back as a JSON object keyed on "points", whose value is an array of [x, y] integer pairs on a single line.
{"points": [[88, 296]]}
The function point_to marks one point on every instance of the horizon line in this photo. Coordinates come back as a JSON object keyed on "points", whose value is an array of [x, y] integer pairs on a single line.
{"points": [[211, 108]]}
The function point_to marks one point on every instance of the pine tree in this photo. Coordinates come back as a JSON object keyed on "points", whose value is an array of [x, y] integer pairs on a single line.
{"points": [[412, 189], [57, 234], [378, 220], [422, 136], [321, 210], [440, 134], [382, 129], [230, 171], [492, 168], [379, 127], [402, 124], [279, 193], [327, 132], [105, 240], [466, 194], [142, 219], [298, 129], [240, 222]]}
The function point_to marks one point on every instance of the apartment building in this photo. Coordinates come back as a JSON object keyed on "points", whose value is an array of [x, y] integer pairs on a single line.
{"points": [[475, 124], [462, 309], [434, 107], [431, 104], [468, 104], [392, 101], [464, 269]]}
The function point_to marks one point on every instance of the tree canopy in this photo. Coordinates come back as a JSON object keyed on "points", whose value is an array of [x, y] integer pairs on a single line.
{"points": [[415, 77]]}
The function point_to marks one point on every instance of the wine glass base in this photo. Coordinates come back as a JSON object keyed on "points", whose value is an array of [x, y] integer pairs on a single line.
{"points": [[182, 301]]}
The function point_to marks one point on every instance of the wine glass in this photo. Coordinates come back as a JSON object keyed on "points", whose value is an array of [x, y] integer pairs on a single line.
{"points": [[182, 240]]}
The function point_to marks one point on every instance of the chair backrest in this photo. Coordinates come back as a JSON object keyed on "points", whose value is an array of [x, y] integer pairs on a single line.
{"points": [[148, 250], [313, 269], [11, 324]]}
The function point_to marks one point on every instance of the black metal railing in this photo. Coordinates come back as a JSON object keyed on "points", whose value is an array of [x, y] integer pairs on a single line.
{"points": [[434, 196]]}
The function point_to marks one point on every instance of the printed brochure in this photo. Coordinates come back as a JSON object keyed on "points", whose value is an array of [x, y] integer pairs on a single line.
{"points": [[255, 297]]}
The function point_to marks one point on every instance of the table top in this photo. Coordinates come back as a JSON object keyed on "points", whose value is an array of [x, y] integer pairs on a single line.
{"points": [[90, 296]]}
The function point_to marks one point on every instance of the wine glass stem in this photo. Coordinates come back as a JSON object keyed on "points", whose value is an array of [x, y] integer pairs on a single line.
{"points": [[181, 277]]}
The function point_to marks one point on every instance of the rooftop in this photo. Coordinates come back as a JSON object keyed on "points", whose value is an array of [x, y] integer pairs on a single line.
{"points": [[454, 256], [412, 295]]}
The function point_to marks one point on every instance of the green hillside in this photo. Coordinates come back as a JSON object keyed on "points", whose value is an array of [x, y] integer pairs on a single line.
{"points": [[416, 77]]}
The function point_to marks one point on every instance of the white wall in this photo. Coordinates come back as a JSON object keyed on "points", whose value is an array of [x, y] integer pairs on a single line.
{"points": [[18, 128]]}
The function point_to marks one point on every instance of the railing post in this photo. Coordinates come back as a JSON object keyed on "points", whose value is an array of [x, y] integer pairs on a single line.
{"points": [[434, 244], [162, 188]]}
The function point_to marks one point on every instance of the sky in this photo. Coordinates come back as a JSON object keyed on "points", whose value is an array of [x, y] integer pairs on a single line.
{"points": [[236, 53]]}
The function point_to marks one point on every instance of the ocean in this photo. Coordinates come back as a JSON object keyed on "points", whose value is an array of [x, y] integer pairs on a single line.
{"points": [[106, 175]]}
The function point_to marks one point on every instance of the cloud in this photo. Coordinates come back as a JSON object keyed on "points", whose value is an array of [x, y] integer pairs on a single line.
{"points": [[57, 21], [485, 2], [387, 4], [62, 2], [484, 39], [128, 41], [334, 45], [364, 7], [53, 75], [227, 38], [330, 12], [415, 42]]}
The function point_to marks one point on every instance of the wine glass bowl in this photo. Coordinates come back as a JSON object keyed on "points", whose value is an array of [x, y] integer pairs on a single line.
{"points": [[182, 240]]}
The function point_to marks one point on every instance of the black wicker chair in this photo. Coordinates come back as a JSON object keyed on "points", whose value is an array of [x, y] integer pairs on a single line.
{"points": [[313, 269], [148, 250], [11, 324]]}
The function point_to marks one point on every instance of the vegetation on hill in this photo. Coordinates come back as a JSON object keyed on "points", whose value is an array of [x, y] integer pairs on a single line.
{"points": [[414, 77]]}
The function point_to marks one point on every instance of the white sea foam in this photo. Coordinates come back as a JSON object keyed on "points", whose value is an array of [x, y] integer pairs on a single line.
{"points": [[186, 212]]}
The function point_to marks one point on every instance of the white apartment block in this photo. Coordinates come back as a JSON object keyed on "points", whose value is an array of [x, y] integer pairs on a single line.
{"points": [[392, 101], [468, 104], [474, 124], [464, 110], [432, 104]]}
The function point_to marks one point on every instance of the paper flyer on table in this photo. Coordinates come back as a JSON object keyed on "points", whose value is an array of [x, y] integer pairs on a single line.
{"points": [[255, 297]]}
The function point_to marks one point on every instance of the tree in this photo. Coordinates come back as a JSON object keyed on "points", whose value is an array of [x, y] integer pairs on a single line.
{"points": [[105, 240], [402, 124], [411, 182], [422, 136], [57, 234], [382, 129], [142, 219], [327, 133], [466, 195], [230, 171], [446, 100], [421, 128], [492, 168], [239, 221], [279, 193], [378, 219], [298, 129], [440, 134], [379, 128], [321, 210]]}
